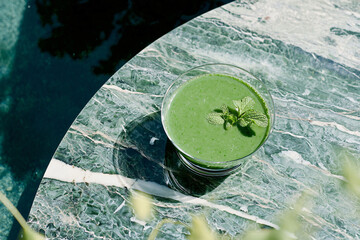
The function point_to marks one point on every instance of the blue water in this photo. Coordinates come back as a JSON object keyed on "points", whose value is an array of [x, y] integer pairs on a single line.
{"points": [[54, 55]]}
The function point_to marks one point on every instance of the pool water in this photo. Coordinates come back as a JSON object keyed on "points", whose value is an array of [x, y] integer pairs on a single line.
{"points": [[54, 55]]}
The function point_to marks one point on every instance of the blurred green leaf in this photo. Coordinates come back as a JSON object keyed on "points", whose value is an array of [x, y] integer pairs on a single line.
{"points": [[264, 234], [351, 172], [200, 230], [142, 205], [155, 231], [289, 222], [27, 233]]}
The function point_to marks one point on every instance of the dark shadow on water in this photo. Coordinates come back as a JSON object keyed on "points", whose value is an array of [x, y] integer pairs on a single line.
{"points": [[78, 27], [46, 95], [144, 152]]}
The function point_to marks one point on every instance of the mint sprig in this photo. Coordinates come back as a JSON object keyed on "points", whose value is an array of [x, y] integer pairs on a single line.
{"points": [[244, 114], [215, 118]]}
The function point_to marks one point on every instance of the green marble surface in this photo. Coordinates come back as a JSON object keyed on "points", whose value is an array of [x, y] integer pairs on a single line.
{"points": [[307, 52]]}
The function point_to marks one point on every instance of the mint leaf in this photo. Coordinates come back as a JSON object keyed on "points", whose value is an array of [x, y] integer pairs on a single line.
{"points": [[224, 109], [244, 122], [227, 125], [231, 118], [253, 116], [244, 104], [243, 114], [215, 118]]}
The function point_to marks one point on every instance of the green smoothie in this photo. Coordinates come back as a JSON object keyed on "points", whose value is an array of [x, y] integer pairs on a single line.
{"points": [[187, 125]]}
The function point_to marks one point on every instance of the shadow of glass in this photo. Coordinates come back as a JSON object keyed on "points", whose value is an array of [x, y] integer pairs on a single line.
{"points": [[144, 152], [179, 176], [140, 149]]}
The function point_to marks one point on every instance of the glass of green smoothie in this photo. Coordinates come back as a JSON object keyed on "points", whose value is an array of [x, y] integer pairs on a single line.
{"points": [[217, 116]]}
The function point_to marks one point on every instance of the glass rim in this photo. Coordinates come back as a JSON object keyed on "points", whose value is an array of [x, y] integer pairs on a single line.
{"points": [[212, 163]]}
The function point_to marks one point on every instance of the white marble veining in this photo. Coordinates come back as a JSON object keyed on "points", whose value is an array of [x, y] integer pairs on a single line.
{"points": [[58, 170]]}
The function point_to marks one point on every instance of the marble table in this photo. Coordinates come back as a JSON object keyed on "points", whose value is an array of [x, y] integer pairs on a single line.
{"points": [[308, 54]]}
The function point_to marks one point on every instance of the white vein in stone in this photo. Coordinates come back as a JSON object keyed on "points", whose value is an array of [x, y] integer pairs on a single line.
{"points": [[97, 142], [324, 124], [289, 20], [118, 89], [97, 132], [120, 207], [352, 117], [334, 124], [296, 157], [61, 171], [89, 135], [288, 133], [305, 104]]}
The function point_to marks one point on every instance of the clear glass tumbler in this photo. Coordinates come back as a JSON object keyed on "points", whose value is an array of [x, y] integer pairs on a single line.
{"points": [[210, 167]]}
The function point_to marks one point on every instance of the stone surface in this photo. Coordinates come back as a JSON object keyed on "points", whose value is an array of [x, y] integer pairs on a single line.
{"points": [[307, 52]]}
